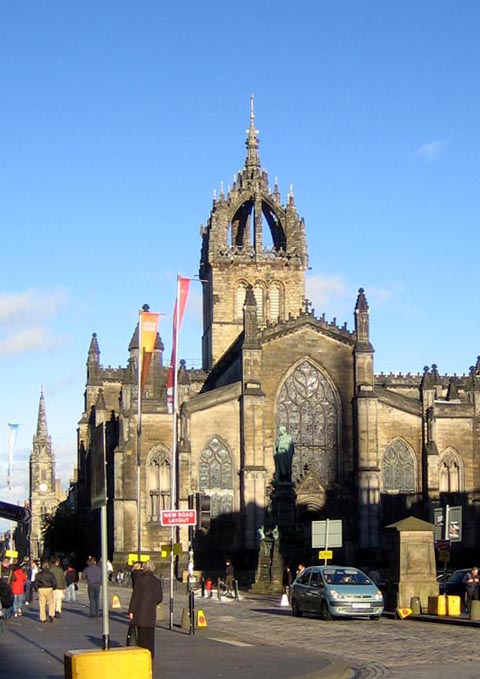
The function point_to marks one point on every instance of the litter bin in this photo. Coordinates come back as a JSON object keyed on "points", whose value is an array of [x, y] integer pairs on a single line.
{"points": [[415, 605]]}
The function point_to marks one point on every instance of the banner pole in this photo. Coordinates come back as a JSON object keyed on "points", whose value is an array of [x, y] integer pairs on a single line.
{"points": [[139, 433], [173, 469]]}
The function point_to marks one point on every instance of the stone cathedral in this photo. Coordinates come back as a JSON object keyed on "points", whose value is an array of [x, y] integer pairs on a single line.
{"points": [[368, 449]]}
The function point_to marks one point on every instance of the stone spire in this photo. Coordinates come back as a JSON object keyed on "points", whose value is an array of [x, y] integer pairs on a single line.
{"points": [[252, 162], [42, 430], [93, 359]]}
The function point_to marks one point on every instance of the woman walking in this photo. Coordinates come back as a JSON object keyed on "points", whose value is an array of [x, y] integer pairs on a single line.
{"points": [[142, 611]]}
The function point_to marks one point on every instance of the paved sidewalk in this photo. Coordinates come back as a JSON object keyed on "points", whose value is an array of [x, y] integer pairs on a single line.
{"points": [[31, 650]]}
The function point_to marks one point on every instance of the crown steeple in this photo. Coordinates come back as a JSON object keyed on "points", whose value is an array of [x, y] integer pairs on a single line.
{"points": [[252, 163]]}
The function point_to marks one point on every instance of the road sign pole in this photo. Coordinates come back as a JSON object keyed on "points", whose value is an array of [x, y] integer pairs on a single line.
{"points": [[326, 539]]}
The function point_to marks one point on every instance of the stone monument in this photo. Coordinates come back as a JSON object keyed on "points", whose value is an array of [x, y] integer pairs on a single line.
{"points": [[414, 561]]}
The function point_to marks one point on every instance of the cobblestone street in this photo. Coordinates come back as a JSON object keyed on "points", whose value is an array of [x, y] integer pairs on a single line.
{"points": [[387, 648]]}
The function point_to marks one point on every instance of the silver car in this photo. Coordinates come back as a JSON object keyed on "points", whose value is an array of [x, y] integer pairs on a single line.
{"points": [[336, 591]]}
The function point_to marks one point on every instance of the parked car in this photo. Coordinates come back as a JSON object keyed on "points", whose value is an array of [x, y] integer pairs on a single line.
{"points": [[454, 584], [336, 591]]}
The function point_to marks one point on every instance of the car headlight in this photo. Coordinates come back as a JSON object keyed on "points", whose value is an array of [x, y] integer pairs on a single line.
{"points": [[378, 596], [336, 595]]}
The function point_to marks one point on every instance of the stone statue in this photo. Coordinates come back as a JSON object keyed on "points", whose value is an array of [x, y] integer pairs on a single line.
{"points": [[261, 532], [283, 456]]}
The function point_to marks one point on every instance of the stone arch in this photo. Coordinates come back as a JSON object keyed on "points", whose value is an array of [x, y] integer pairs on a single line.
{"points": [[399, 468], [240, 292], [451, 478], [308, 405], [157, 481], [276, 300], [215, 476]]}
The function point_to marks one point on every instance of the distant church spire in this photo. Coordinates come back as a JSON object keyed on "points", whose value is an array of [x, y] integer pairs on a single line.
{"points": [[253, 161], [42, 431]]}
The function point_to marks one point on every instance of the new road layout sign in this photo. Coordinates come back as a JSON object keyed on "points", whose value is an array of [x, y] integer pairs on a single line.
{"points": [[178, 517]]}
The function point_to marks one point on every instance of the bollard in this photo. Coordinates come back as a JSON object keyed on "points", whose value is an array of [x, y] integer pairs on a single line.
{"points": [[475, 610], [235, 589], [415, 605], [191, 610], [203, 588], [219, 591]]}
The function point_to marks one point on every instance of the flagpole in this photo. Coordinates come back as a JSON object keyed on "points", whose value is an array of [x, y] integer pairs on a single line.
{"points": [[139, 428], [173, 467], [12, 437]]}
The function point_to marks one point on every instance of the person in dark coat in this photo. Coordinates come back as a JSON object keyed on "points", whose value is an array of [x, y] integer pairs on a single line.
{"points": [[142, 611]]}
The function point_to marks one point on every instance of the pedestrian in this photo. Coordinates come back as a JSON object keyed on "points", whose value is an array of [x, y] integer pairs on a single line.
{"points": [[374, 576], [300, 569], [119, 577], [109, 570], [142, 611], [229, 576], [287, 581], [45, 584], [33, 574], [93, 575], [59, 591], [71, 583], [472, 586], [18, 589], [136, 572], [6, 598]]}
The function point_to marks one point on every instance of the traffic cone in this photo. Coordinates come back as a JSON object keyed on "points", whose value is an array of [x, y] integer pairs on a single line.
{"points": [[284, 601], [116, 602], [201, 619], [403, 612]]}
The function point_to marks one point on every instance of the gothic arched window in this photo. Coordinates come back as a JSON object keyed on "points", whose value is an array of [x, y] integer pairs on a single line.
{"points": [[450, 472], [308, 406], [398, 468], [259, 295], [241, 291], [158, 482], [275, 300], [216, 477]]}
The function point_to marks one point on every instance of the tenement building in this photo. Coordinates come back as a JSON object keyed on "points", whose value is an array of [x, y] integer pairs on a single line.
{"points": [[368, 449]]}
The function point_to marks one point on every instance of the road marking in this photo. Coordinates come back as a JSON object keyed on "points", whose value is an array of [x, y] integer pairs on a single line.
{"points": [[242, 644]]}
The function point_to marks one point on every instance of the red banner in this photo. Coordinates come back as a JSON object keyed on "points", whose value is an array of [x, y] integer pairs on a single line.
{"points": [[148, 327], [181, 301]]}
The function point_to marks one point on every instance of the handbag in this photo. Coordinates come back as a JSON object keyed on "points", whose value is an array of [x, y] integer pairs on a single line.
{"points": [[131, 635]]}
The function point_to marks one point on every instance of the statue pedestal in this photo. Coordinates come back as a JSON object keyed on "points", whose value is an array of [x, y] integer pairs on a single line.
{"points": [[284, 508], [273, 552]]}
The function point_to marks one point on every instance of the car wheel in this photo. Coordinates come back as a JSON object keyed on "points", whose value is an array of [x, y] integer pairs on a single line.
{"points": [[325, 611], [374, 617], [295, 609]]}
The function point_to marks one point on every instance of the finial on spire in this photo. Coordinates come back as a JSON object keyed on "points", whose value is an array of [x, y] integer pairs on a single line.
{"points": [[253, 160]]}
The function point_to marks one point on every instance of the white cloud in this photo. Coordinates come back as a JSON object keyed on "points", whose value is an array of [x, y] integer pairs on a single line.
{"points": [[431, 151], [30, 339], [23, 320], [322, 290]]}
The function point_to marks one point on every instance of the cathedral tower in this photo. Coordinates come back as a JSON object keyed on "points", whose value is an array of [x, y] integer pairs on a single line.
{"points": [[251, 239], [43, 495]]}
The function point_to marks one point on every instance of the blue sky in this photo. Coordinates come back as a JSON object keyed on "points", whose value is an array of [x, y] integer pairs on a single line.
{"points": [[119, 119]]}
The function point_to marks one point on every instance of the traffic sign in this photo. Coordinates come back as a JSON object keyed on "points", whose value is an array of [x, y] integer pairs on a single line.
{"points": [[325, 554], [327, 534], [178, 517], [14, 512]]}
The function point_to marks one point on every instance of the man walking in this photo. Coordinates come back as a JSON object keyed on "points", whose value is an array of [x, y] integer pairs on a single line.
{"points": [[93, 575], [59, 591], [472, 587], [45, 583]]}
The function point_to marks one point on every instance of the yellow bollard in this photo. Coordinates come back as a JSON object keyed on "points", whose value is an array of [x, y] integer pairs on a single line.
{"points": [[116, 663]]}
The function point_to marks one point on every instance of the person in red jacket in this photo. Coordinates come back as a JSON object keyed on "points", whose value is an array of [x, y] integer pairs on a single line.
{"points": [[18, 589]]}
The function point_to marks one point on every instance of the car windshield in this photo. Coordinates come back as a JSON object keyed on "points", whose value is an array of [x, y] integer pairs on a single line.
{"points": [[345, 576]]}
